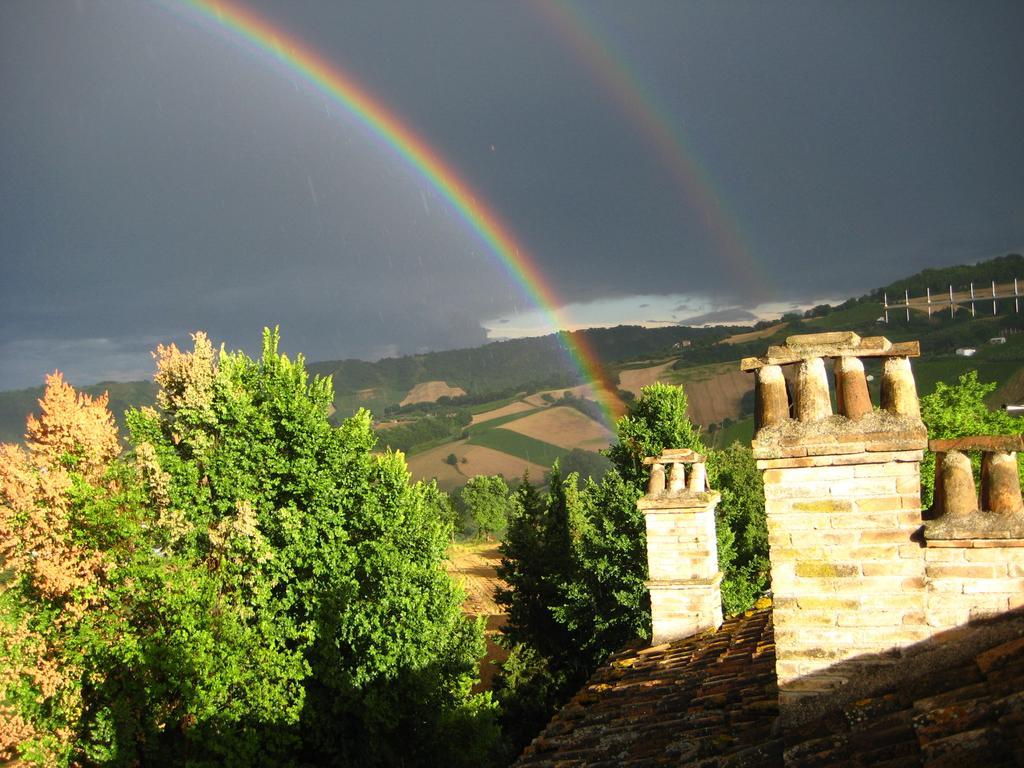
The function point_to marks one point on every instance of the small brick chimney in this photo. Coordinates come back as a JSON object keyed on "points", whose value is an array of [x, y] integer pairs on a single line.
{"points": [[682, 550], [974, 560]]}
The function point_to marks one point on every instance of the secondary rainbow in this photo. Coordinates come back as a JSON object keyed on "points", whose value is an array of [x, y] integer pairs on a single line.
{"points": [[663, 132], [396, 134]]}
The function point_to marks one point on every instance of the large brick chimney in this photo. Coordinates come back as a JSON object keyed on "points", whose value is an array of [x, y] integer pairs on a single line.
{"points": [[859, 575], [682, 551], [842, 499]]}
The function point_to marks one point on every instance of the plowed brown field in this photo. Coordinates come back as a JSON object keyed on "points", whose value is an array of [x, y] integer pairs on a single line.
{"points": [[633, 380], [764, 333], [479, 461], [717, 397], [517, 407], [430, 391], [582, 391], [473, 565]]}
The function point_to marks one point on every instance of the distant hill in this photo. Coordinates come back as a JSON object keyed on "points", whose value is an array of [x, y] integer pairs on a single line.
{"points": [[16, 404], [487, 373], [1001, 269], [498, 369], [506, 373]]}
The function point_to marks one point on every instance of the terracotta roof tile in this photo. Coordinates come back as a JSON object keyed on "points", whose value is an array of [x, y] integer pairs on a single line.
{"points": [[710, 699], [968, 713]]}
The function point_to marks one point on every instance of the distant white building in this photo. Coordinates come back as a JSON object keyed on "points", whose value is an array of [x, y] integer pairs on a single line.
{"points": [[967, 351]]}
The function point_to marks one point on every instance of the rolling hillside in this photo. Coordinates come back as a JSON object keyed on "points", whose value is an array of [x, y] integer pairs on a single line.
{"points": [[516, 406]]}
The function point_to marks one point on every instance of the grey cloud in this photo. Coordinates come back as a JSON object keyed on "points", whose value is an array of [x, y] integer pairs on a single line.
{"points": [[158, 177], [722, 316]]}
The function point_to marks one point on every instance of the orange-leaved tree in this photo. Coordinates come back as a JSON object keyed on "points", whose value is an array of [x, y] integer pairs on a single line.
{"points": [[51, 577], [101, 631]]}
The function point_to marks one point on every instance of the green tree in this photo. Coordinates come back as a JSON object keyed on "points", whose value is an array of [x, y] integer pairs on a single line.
{"points": [[960, 410], [577, 562], [114, 646], [532, 559], [488, 504], [537, 562], [326, 552], [656, 420], [605, 602], [585, 464], [740, 525]]}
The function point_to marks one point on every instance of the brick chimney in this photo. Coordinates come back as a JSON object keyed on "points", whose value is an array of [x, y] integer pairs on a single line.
{"points": [[682, 550], [842, 499], [974, 561], [859, 574]]}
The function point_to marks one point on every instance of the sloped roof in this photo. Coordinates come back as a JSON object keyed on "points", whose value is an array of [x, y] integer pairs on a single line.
{"points": [[958, 701], [711, 700], [712, 695]]}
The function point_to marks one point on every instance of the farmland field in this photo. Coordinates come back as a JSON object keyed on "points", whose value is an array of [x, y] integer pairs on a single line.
{"points": [[564, 427], [583, 391], [374, 399], [715, 391], [633, 379], [506, 410], [764, 333], [526, 448], [479, 460], [497, 421], [430, 392], [719, 397]]}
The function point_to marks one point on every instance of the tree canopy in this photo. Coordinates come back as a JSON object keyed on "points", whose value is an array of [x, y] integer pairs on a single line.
{"points": [[261, 587], [576, 561], [959, 410], [488, 504]]}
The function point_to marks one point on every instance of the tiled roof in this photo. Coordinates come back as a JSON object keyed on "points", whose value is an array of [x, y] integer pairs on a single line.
{"points": [[957, 704], [710, 699]]}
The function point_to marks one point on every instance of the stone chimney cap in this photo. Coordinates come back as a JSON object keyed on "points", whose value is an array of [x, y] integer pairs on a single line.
{"points": [[1004, 443], [833, 344], [676, 456], [841, 338]]}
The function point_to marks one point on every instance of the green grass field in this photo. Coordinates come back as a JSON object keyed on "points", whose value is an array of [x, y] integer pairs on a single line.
{"points": [[700, 372], [635, 365], [518, 445], [494, 404], [483, 426], [348, 403], [928, 373], [857, 316]]}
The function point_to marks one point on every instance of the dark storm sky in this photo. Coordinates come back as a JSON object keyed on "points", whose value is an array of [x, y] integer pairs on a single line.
{"points": [[157, 176]]}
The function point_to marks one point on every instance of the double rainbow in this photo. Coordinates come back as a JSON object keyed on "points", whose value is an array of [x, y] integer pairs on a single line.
{"points": [[298, 57], [608, 68]]}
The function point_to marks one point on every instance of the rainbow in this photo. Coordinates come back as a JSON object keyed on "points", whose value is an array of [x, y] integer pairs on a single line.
{"points": [[269, 38], [663, 132]]}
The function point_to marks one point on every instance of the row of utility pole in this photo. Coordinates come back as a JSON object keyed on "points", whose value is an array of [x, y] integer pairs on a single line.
{"points": [[954, 301]]}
